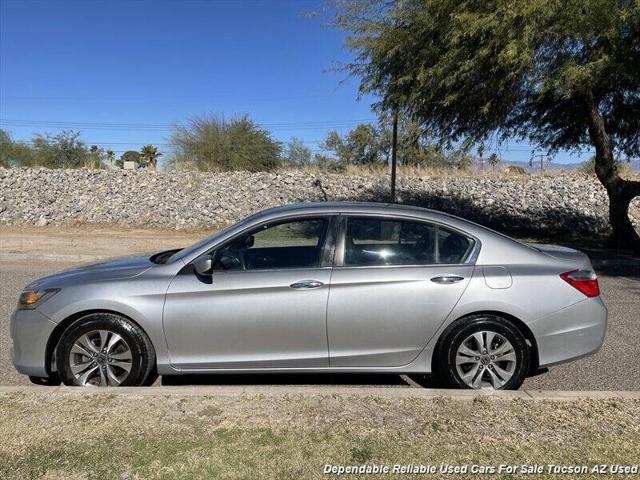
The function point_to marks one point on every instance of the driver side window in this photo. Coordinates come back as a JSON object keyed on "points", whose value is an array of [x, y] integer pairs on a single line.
{"points": [[280, 245]]}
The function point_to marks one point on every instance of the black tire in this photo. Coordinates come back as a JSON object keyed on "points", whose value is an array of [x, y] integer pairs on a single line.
{"points": [[151, 378], [461, 330], [142, 352]]}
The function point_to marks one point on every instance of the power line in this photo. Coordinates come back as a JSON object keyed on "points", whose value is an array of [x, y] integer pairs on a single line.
{"points": [[150, 126]]}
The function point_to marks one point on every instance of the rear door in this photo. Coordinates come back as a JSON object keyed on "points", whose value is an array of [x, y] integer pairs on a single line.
{"points": [[394, 283]]}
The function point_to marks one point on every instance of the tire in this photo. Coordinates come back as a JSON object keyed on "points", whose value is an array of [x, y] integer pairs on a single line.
{"points": [[503, 365], [104, 349]]}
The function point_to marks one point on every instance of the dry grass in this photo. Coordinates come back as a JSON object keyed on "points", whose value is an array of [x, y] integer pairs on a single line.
{"points": [[68, 435], [406, 171]]}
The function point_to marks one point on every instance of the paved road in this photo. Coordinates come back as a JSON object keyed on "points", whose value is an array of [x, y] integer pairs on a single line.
{"points": [[615, 367]]}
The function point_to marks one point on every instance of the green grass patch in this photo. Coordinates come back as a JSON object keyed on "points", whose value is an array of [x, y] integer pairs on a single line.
{"points": [[74, 436]]}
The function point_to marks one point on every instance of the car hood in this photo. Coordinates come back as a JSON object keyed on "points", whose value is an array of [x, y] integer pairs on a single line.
{"points": [[118, 268], [569, 256]]}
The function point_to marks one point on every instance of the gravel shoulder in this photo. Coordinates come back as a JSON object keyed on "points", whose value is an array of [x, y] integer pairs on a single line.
{"points": [[73, 435]]}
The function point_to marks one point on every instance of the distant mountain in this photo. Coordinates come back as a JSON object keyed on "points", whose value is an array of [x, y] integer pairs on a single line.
{"points": [[553, 166]]}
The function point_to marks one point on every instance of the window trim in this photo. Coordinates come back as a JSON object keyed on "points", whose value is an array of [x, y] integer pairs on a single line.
{"points": [[341, 243], [327, 244]]}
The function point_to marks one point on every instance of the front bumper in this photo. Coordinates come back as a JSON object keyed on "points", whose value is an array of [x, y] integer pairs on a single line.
{"points": [[30, 332], [571, 333]]}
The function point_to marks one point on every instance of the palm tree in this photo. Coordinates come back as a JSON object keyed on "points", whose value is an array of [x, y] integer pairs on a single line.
{"points": [[150, 154], [110, 157], [94, 160], [493, 161]]}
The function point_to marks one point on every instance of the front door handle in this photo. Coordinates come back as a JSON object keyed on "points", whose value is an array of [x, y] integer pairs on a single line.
{"points": [[306, 284], [446, 279]]}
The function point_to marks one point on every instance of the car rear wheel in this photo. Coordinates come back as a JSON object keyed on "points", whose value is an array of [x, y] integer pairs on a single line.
{"points": [[103, 350], [483, 352]]}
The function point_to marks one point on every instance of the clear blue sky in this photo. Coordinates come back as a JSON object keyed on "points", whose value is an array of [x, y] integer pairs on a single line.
{"points": [[122, 72]]}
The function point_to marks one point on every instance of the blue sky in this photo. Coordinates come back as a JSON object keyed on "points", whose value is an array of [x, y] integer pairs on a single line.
{"points": [[122, 72]]}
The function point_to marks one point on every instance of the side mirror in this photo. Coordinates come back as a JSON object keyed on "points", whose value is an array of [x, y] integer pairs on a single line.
{"points": [[203, 265], [249, 241]]}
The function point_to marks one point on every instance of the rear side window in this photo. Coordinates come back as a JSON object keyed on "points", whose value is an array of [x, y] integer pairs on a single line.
{"points": [[378, 242], [453, 247]]}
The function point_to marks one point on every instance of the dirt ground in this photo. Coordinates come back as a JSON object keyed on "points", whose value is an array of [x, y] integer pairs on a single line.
{"points": [[88, 242]]}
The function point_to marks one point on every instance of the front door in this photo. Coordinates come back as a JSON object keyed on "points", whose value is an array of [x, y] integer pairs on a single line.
{"points": [[264, 306], [393, 287]]}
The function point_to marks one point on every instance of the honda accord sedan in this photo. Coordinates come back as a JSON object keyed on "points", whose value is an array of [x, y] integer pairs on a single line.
{"points": [[318, 287]]}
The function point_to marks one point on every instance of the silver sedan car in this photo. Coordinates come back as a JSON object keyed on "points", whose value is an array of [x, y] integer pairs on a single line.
{"points": [[318, 287]]}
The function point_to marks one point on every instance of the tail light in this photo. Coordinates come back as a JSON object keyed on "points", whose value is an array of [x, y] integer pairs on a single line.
{"points": [[583, 280]]}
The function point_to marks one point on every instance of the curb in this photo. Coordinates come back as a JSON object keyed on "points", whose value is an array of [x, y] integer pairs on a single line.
{"points": [[314, 391]]}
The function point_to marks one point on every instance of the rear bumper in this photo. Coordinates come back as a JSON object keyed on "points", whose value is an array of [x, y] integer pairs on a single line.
{"points": [[571, 333], [30, 332]]}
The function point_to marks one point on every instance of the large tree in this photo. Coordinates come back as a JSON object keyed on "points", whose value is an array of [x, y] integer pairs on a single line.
{"points": [[215, 143], [561, 74]]}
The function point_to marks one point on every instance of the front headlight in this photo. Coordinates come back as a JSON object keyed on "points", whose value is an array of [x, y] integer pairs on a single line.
{"points": [[32, 298]]}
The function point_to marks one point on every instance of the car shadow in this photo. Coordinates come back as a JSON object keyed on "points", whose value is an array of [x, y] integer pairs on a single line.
{"points": [[284, 379]]}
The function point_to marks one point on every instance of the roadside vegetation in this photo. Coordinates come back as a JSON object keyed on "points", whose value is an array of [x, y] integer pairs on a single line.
{"points": [[71, 435], [215, 143]]}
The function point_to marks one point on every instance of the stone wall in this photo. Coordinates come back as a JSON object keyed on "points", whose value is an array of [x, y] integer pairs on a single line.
{"points": [[515, 204]]}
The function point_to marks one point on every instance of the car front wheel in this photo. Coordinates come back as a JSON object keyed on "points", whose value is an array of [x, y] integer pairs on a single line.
{"points": [[483, 352], [103, 350]]}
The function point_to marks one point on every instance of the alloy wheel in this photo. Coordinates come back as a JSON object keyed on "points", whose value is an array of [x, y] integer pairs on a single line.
{"points": [[100, 358], [486, 359]]}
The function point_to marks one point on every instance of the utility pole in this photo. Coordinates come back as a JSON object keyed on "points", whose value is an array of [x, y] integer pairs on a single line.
{"points": [[394, 159], [541, 156]]}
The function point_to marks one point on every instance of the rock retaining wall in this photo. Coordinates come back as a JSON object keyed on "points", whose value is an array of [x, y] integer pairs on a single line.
{"points": [[541, 204]]}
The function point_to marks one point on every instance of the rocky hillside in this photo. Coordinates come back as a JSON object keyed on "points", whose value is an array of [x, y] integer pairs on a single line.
{"points": [[541, 204]]}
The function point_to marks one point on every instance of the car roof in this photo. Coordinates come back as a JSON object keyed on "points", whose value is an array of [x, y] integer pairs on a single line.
{"points": [[340, 207], [365, 207]]}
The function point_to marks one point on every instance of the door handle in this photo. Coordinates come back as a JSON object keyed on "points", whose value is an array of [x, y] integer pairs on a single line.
{"points": [[306, 284], [447, 279]]}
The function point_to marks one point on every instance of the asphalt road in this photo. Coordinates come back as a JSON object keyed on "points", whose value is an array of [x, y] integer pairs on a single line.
{"points": [[615, 367]]}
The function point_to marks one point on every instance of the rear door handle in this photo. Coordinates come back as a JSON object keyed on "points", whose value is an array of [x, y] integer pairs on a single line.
{"points": [[447, 279], [306, 284]]}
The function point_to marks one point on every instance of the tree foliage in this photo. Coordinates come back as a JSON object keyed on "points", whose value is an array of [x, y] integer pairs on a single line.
{"points": [[64, 150], [370, 145], [563, 75], [212, 143], [14, 153], [493, 160], [149, 156], [297, 153]]}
